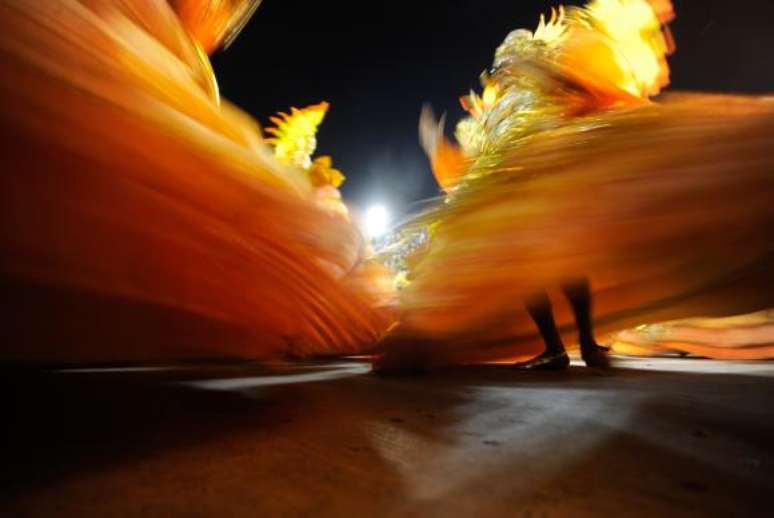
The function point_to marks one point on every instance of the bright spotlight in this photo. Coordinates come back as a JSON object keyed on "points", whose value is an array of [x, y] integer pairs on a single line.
{"points": [[376, 222]]}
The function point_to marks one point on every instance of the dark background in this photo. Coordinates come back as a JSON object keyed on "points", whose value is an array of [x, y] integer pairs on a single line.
{"points": [[377, 61]]}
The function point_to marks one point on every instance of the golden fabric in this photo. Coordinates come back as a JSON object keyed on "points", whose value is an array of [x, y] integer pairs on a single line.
{"points": [[665, 207]]}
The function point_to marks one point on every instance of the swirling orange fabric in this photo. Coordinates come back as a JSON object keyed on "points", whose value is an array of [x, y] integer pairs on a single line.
{"points": [[141, 217]]}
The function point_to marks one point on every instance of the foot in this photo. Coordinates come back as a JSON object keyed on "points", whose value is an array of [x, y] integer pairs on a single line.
{"points": [[596, 355], [546, 362]]}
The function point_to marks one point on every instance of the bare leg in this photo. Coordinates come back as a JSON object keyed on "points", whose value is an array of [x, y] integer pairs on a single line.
{"points": [[578, 292], [555, 357]]}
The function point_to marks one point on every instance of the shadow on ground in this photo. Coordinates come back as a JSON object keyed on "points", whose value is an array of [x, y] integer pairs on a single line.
{"points": [[334, 440]]}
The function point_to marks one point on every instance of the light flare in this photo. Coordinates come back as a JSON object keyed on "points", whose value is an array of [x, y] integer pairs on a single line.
{"points": [[376, 221]]}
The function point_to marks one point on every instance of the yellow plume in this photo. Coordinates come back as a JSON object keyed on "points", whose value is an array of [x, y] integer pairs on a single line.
{"points": [[554, 30], [294, 136], [635, 30], [322, 173]]}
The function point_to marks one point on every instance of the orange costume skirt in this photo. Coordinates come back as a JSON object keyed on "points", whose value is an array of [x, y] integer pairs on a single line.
{"points": [[144, 219]]}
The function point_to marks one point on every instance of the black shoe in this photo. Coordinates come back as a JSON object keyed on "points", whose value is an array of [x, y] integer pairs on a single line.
{"points": [[546, 362]]}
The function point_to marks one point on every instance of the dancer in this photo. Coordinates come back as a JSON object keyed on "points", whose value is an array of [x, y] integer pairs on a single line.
{"points": [[569, 185]]}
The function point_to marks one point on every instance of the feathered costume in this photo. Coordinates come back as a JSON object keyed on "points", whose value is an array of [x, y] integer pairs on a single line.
{"points": [[565, 168], [142, 217]]}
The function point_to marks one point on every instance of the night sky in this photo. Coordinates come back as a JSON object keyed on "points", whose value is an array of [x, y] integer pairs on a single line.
{"points": [[378, 63]]}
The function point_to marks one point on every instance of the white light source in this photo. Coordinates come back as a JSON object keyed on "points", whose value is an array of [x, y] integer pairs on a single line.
{"points": [[376, 221]]}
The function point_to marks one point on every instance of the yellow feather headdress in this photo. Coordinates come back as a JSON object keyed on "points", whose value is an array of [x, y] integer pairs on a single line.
{"points": [[294, 138]]}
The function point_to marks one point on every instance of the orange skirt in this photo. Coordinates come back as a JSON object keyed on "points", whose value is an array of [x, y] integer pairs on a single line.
{"points": [[141, 218]]}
